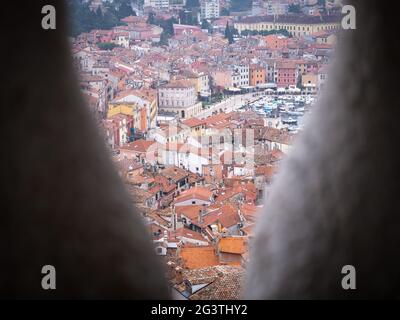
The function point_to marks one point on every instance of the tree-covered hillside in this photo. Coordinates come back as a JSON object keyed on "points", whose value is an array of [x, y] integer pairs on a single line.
{"points": [[241, 5], [83, 19]]}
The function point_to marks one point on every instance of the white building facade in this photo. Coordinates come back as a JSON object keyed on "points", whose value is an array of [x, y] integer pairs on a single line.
{"points": [[209, 9], [179, 97], [157, 4], [241, 75]]}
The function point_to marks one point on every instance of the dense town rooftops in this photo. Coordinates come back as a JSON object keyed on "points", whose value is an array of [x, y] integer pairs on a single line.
{"points": [[191, 192]]}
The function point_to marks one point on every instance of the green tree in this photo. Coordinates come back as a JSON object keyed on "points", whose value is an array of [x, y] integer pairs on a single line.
{"points": [[83, 19], [169, 26], [106, 45], [241, 5], [229, 34], [294, 8], [283, 32], [164, 37], [109, 21], [206, 25], [190, 4], [125, 10], [225, 12], [168, 30], [300, 82], [186, 17], [226, 31], [151, 19]]}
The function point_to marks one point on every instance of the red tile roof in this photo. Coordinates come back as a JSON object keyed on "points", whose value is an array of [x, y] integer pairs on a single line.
{"points": [[140, 146], [192, 212], [193, 122], [200, 193], [174, 173], [198, 257], [186, 233], [227, 285], [236, 245]]}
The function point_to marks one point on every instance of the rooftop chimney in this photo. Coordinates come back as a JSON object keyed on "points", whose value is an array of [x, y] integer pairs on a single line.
{"points": [[200, 216]]}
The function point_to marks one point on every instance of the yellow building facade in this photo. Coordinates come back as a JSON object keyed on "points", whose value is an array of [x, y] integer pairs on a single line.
{"points": [[296, 25], [143, 109], [128, 109]]}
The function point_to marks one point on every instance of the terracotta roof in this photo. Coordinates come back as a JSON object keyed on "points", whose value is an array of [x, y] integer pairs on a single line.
{"points": [[200, 276], [267, 171], [198, 257], [218, 119], [276, 135], [235, 245], [192, 212], [125, 165], [228, 194], [146, 94], [186, 233], [156, 231], [139, 196], [141, 146], [200, 193], [227, 286], [249, 211], [208, 219], [193, 122], [174, 173], [154, 217], [194, 178], [229, 216], [164, 183]]}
